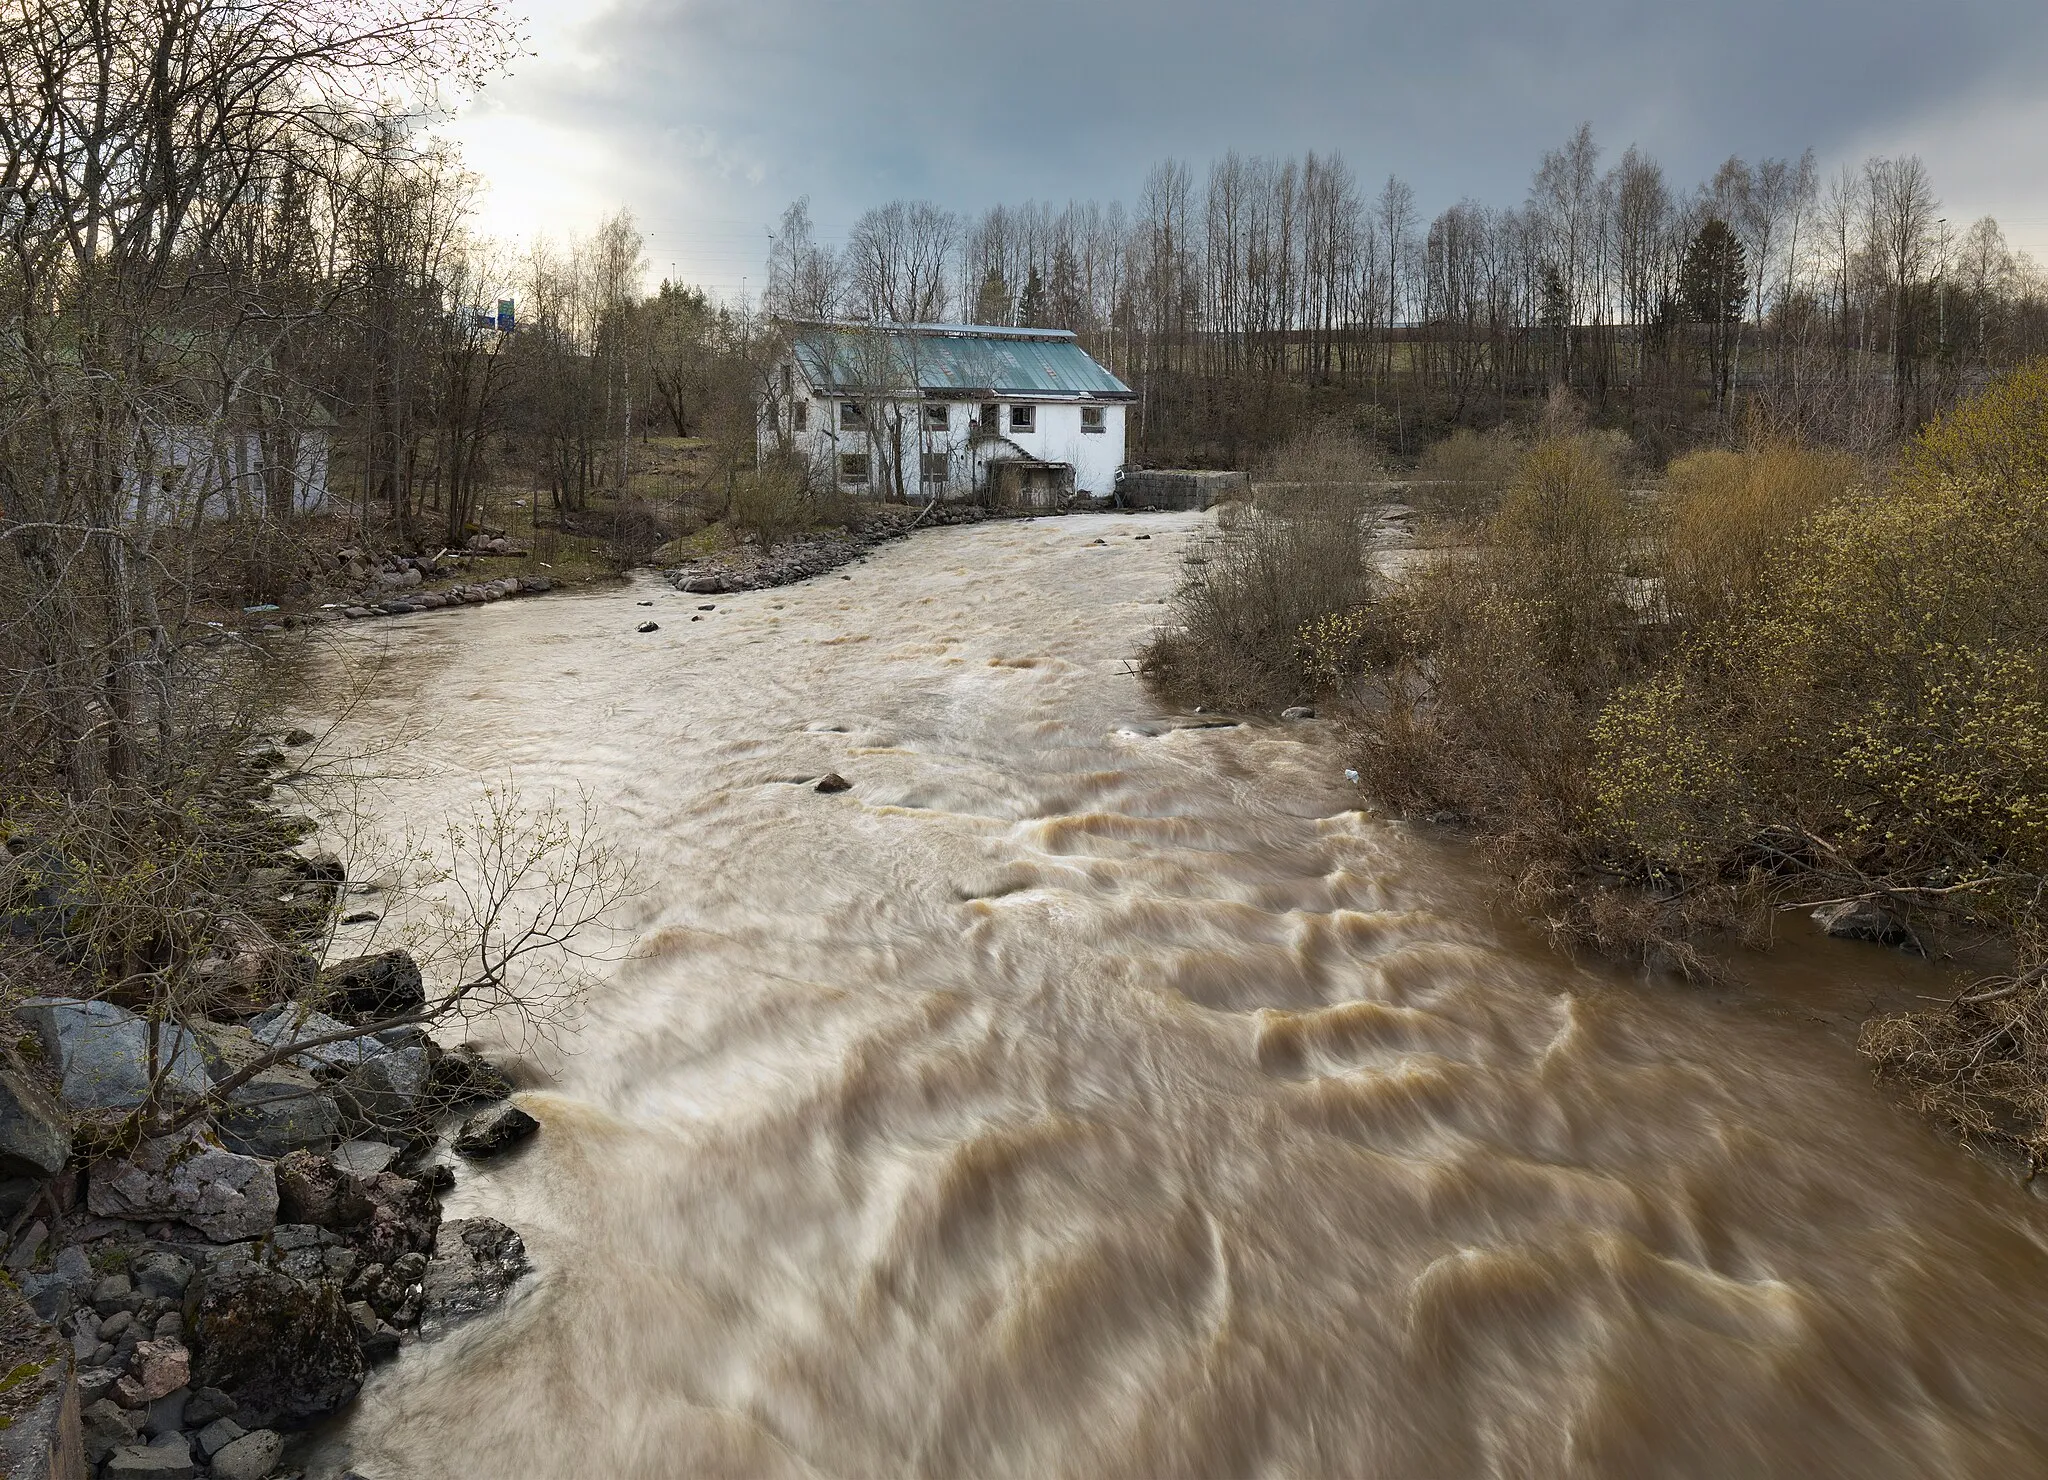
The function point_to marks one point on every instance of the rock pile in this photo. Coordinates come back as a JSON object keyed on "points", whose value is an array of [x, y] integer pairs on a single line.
{"points": [[222, 1286]]}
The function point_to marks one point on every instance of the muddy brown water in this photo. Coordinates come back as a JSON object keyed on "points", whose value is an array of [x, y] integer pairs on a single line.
{"points": [[1089, 1094]]}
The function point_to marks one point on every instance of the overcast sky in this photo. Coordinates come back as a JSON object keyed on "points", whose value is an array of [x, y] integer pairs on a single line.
{"points": [[706, 117]]}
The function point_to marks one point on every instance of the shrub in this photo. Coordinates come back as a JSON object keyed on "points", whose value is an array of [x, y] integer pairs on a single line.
{"points": [[1248, 591]]}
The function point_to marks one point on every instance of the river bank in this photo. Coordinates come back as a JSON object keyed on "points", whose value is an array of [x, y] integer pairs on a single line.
{"points": [[1085, 1092]]}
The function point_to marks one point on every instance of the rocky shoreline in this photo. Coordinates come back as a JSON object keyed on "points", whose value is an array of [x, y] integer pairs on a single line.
{"points": [[220, 1214], [807, 556]]}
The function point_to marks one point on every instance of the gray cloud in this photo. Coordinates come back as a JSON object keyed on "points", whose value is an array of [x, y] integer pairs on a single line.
{"points": [[721, 110]]}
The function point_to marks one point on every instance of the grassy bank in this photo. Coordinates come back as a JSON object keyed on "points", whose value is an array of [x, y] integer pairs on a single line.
{"points": [[1780, 678]]}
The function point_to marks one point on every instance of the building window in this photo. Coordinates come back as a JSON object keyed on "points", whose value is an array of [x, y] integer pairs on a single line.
{"points": [[938, 416], [935, 467], [1092, 419], [1023, 418], [853, 467], [991, 419], [800, 416], [788, 381], [850, 419]]}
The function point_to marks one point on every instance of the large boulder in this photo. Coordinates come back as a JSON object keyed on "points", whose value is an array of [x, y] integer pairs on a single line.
{"points": [[476, 1260], [278, 1112], [282, 1026], [388, 1092], [224, 1195], [285, 1349], [35, 1140], [102, 1052], [368, 988]]}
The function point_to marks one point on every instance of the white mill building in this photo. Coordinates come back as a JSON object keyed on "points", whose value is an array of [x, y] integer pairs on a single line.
{"points": [[918, 411]]}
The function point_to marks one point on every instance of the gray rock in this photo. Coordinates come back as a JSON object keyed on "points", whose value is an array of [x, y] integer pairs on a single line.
{"points": [[162, 1274], [250, 1457], [85, 1335], [388, 1091], [16, 1193], [284, 1025], [1875, 920], [476, 1260], [286, 1348], [223, 1195], [206, 1405], [112, 1292], [153, 1461], [217, 1435], [166, 1415], [94, 1383], [364, 1158], [379, 1340], [366, 988], [463, 1075], [77, 1271], [278, 1112], [101, 1052], [35, 1140], [50, 1296], [491, 1131], [26, 1252], [106, 1426]]}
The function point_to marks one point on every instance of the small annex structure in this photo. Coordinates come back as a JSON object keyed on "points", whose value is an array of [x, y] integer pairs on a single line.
{"points": [[1011, 417]]}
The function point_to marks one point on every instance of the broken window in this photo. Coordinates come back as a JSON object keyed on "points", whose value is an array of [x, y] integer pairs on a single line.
{"points": [[937, 416], [1023, 418], [788, 382], [853, 467], [934, 467], [800, 416], [1091, 419], [991, 419], [850, 419]]}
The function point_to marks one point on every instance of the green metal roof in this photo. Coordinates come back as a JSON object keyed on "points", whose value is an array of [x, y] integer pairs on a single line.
{"points": [[951, 360]]}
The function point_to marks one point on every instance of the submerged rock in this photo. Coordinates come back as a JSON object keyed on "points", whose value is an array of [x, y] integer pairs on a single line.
{"points": [[831, 782], [1875, 920], [476, 1260]]}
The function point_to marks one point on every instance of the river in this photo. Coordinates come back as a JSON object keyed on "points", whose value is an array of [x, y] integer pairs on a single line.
{"points": [[1089, 1092]]}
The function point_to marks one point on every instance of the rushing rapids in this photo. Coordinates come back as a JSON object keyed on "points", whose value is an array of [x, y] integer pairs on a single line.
{"points": [[1094, 1092]]}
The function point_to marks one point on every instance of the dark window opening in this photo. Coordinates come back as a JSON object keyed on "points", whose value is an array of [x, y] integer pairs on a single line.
{"points": [[800, 416], [989, 418], [934, 466], [850, 419], [853, 467], [1092, 419], [1023, 418], [937, 416]]}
